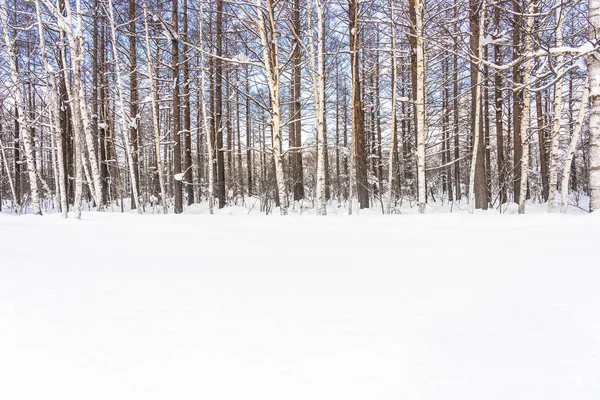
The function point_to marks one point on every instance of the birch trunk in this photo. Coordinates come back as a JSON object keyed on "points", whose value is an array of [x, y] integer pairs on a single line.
{"points": [[271, 64], [564, 187], [420, 104], [209, 137], [594, 85], [553, 170], [76, 48], [23, 126], [318, 80], [393, 130], [10, 181], [55, 115], [155, 113], [525, 109], [124, 123], [77, 128]]}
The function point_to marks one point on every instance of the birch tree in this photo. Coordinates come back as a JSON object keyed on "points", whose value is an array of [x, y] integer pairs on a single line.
{"points": [[155, 117], [553, 167], [593, 65], [564, 187], [11, 57], [55, 114], [420, 103], [124, 122], [318, 81], [209, 137], [524, 174], [393, 128], [270, 49], [80, 114]]}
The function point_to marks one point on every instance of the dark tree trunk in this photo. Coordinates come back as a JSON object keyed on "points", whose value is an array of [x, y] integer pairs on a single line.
{"points": [[358, 126], [177, 183], [219, 106], [133, 101], [187, 113]]}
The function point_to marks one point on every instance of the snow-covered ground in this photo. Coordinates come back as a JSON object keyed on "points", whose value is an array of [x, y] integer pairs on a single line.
{"points": [[442, 306]]}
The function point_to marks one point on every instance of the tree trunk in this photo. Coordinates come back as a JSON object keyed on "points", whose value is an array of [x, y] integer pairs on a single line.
{"points": [[525, 110], [133, 100], [128, 151], [219, 107], [517, 103], [420, 103], [358, 128], [23, 126], [564, 188], [268, 35], [155, 116], [553, 168], [477, 181], [499, 115], [594, 83], [177, 172], [55, 115]]}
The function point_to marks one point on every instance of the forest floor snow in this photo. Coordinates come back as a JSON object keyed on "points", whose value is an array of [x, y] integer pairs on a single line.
{"points": [[434, 307]]}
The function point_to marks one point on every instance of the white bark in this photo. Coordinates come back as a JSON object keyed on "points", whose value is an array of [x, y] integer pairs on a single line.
{"points": [[55, 116], [318, 80], [23, 126], [79, 106], [525, 110], [209, 142], [155, 120], [124, 122], [477, 116], [593, 62], [77, 128], [17, 206], [271, 64], [564, 187], [553, 167], [420, 106]]}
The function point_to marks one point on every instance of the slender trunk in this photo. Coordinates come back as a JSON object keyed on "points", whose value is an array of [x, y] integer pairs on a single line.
{"points": [[55, 115], [124, 121], [553, 169], [249, 164], [420, 104], [477, 181], [594, 84], [517, 103], [219, 107], [564, 187], [318, 79], [268, 35], [25, 132], [525, 110], [358, 128], [155, 116], [187, 113], [209, 137], [177, 173], [393, 130], [499, 115], [133, 100]]}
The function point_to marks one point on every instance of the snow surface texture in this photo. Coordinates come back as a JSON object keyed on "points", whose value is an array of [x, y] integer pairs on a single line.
{"points": [[120, 306]]}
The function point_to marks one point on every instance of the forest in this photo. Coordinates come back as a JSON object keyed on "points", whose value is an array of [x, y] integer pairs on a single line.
{"points": [[157, 106], [183, 152]]}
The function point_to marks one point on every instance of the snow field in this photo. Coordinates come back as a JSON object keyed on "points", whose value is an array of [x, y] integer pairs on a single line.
{"points": [[120, 306]]}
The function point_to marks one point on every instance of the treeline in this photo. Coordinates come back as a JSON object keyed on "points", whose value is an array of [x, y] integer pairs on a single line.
{"points": [[162, 105]]}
